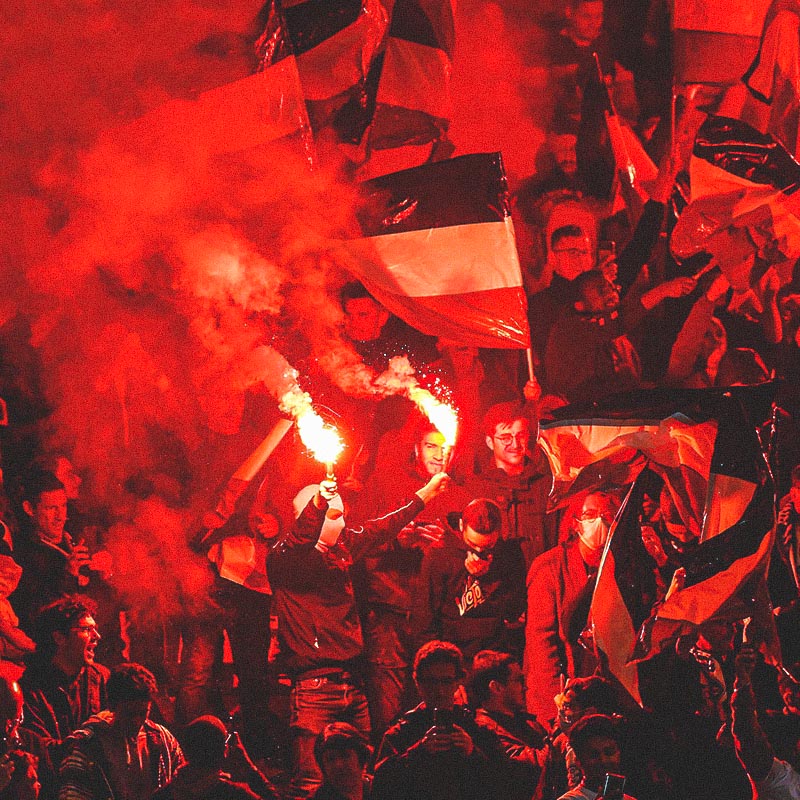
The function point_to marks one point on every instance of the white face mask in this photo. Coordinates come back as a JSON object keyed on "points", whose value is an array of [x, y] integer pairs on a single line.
{"points": [[593, 533]]}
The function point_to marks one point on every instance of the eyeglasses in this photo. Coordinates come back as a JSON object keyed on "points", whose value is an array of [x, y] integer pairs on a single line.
{"points": [[86, 629], [590, 516], [510, 438]]}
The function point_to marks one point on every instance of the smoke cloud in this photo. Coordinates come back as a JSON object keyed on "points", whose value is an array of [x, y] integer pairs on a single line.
{"points": [[154, 267]]}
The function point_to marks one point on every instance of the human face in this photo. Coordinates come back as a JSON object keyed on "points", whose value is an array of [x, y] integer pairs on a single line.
{"points": [[563, 148], [431, 453], [364, 319], [599, 297], [66, 473], [514, 689], [131, 715], [509, 444], [342, 769], [437, 684], [49, 515], [76, 648], [481, 544], [572, 256], [586, 21], [601, 755]]}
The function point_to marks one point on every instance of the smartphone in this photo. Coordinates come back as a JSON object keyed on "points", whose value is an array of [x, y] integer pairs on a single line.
{"points": [[614, 787], [443, 720]]}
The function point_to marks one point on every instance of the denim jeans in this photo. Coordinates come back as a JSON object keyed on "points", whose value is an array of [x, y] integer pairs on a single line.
{"points": [[314, 703]]}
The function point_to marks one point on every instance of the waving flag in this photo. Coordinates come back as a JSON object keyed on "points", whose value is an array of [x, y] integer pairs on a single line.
{"points": [[412, 105], [624, 594], [743, 203], [438, 250], [709, 457], [374, 73], [336, 45]]}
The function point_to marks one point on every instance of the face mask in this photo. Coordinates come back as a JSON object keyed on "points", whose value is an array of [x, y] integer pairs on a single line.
{"points": [[593, 533]]}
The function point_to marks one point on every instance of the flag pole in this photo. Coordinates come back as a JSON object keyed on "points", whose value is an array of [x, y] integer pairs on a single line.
{"points": [[529, 354]]}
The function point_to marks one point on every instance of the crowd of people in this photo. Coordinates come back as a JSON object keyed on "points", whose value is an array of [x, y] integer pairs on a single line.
{"points": [[417, 625]]}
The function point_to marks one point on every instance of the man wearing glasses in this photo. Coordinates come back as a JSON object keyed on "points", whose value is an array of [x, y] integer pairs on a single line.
{"points": [[560, 585], [62, 685], [517, 478]]}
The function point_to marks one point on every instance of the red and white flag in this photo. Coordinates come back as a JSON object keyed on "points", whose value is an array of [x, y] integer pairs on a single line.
{"points": [[438, 250]]}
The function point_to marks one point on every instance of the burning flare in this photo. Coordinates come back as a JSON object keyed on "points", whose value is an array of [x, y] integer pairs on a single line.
{"points": [[321, 439], [399, 379]]}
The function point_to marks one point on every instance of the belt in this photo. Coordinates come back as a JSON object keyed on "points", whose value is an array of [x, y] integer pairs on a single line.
{"points": [[325, 675]]}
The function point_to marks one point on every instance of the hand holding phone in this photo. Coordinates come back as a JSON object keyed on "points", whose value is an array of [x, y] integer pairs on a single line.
{"points": [[614, 787]]}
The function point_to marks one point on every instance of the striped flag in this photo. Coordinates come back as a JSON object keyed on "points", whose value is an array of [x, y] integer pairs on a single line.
{"points": [[623, 595], [336, 45], [374, 73], [412, 105], [709, 457], [743, 203], [437, 249]]}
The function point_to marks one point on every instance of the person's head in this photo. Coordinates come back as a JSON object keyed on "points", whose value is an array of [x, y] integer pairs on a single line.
{"points": [[596, 742], [63, 469], [65, 633], [571, 253], [430, 451], [585, 20], [507, 428], [44, 500], [342, 753], [594, 294], [463, 357], [131, 689], [438, 670], [593, 524], [204, 743], [590, 695], [480, 526], [364, 316], [497, 682], [562, 146]]}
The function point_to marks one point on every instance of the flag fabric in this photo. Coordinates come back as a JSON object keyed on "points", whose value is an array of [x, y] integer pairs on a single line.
{"points": [[726, 575], [412, 104], [624, 593], [743, 203], [335, 44], [375, 74], [437, 249], [701, 444], [611, 152], [774, 74], [254, 111]]}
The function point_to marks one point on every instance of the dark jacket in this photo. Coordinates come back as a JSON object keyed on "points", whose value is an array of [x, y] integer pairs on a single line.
{"points": [[45, 576], [219, 786], [405, 771], [527, 749], [559, 595], [56, 705], [469, 611], [313, 592], [523, 502], [386, 577], [89, 771]]}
